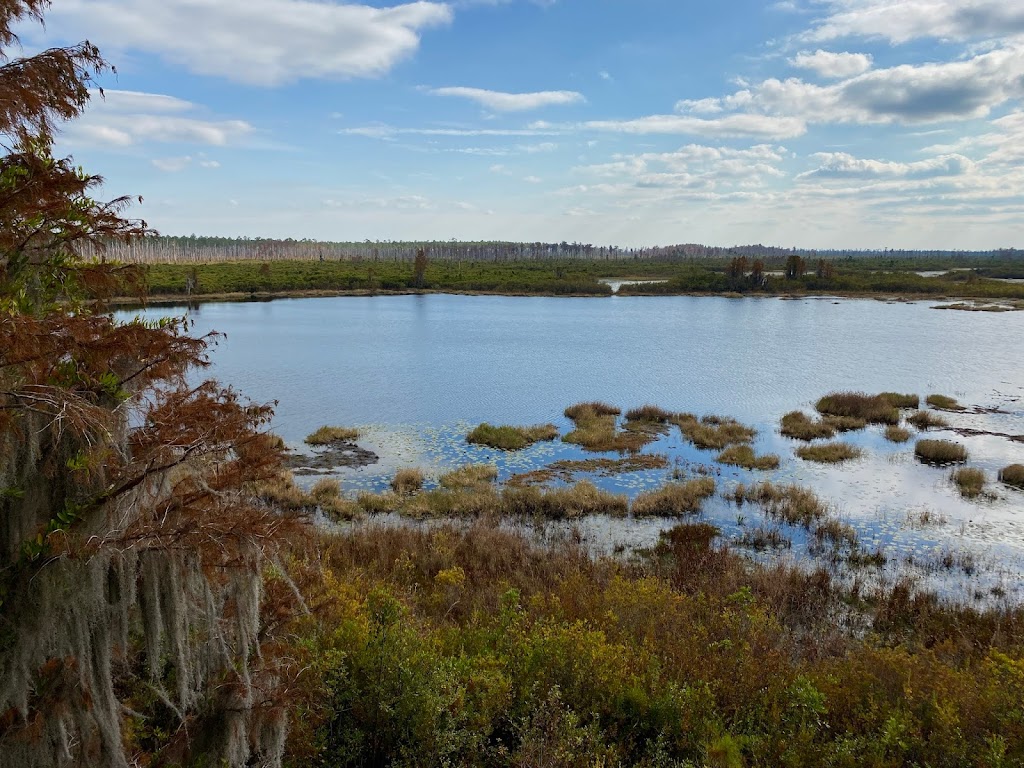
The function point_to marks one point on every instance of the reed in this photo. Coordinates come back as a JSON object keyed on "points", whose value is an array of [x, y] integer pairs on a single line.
{"points": [[845, 423], [874, 409], [925, 420], [713, 432], [940, 452], [744, 456], [674, 499], [407, 481], [970, 481], [330, 435], [763, 537], [470, 476], [798, 425], [944, 403], [580, 500], [591, 409], [1013, 475], [903, 402], [791, 504], [895, 434], [829, 453], [651, 413], [511, 438]]}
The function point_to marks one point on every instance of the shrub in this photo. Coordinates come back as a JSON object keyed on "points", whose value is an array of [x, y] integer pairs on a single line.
{"points": [[896, 434], [970, 481], [744, 456], [508, 438], [874, 409], [713, 432], [407, 481], [674, 499], [829, 453], [905, 402], [796, 424], [944, 403], [924, 420], [940, 452], [1013, 475], [329, 435]]}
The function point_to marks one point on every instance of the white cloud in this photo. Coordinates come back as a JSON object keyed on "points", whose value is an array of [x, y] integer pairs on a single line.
{"points": [[833, 65], [533, 179], [257, 42], [389, 132], [900, 21], [840, 165], [172, 164], [126, 118], [500, 101], [729, 126]]}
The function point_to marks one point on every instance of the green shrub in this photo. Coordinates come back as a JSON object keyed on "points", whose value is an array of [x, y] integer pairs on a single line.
{"points": [[940, 452]]}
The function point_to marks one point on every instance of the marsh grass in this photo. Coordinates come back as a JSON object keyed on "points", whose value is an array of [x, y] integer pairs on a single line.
{"points": [[566, 470], [596, 430], [330, 435], [580, 500], [845, 423], [873, 409], [829, 453], [675, 499], [901, 401], [325, 495], [895, 434], [791, 504], [925, 420], [798, 425], [471, 476], [651, 413], [763, 538], [944, 403], [970, 481], [744, 456], [407, 481], [1013, 475], [940, 452], [713, 432], [379, 503], [511, 438]]}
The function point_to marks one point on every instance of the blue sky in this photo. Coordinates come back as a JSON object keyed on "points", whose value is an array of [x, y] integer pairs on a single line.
{"points": [[817, 123]]}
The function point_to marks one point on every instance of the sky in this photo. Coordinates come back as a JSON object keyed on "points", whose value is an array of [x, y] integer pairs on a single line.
{"points": [[809, 123]]}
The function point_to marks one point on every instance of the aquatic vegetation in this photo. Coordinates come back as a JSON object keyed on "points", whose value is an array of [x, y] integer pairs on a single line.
{"points": [[510, 438], [895, 434], [469, 477], [596, 430], [798, 425], [944, 403], [651, 413], [566, 469], [674, 499], [379, 503], [713, 432], [407, 481], [1013, 475], [570, 502], [874, 409], [829, 453], [845, 423], [763, 537], [329, 435], [901, 401], [925, 420], [970, 481], [791, 504], [744, 456], [940, 452]]}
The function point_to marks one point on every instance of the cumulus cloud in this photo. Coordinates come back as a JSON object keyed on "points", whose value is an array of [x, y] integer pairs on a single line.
{"points": [[126, 118], [840, 165], [900, 21], [500, 101], [833, 65], [257, 42]]}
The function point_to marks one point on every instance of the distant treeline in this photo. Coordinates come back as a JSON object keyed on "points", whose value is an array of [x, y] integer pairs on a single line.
{"points": [[194, 249]]}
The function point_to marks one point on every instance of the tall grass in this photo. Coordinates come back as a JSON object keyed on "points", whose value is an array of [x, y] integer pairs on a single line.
{"points": [[330, 435], [798, 425], [510, 438], [944, 403], [829, 453], [925, 420], [874, 409], [940, 452], [1013, 475], [713, 432], [407, 481], [674, 499], [970, 481], [744, 456], [901, 401], [895, 434], [791, 504], [596, 431], [471, 476]]}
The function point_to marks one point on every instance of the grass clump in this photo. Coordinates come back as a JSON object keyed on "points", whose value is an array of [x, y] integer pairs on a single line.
{"points": [[674, 499], [903, 402], [940, 452], [744, 456], [471, 476], [798, 425], [791, 504], [829, 453], [970, 481], [845, 423], [649, 413], [325, 495], [764, 537], [596, 430], [566, 469], [508, 438], [895, 434], [713, 432], [571, 502], [331, 435], [873, 409], [925, 420], [1013, 475], [407, 481], [944, 403]]}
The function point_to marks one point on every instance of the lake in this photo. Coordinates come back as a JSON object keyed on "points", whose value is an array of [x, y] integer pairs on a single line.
{"points": [[418, 371]]}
